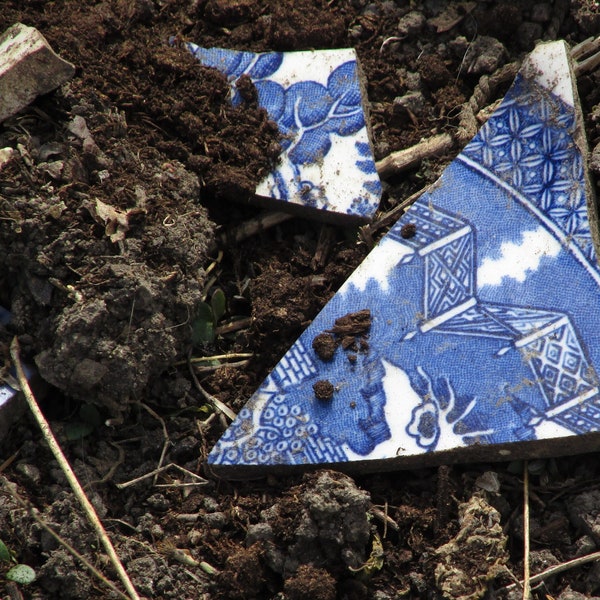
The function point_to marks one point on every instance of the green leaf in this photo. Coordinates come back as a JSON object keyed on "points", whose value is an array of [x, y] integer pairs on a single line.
{"points": [[23, 574], [5, 552], [203, 326], [218, 303], [77, 430], [89, 414]]}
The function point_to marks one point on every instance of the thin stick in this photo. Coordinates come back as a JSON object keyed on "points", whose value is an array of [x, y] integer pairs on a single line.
{"points": [[221, 406], [70, 475], [526, 545], [393, 215], [236, 355], [406, 159], [126, 484], [167, 440], [254, 226], [29, 508], [555, 570]]}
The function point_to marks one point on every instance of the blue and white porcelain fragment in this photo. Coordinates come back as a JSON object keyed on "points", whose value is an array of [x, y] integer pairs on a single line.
{"points": [[484, 301], [11, 405], [326, 169]]}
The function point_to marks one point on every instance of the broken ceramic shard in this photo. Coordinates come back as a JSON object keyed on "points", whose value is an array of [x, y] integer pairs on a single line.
{"points": [[326, 169], [28, 68], [483, 309], [11, 404]]}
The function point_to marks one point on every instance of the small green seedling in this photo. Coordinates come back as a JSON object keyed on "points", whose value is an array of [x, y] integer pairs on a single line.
{"points": [[89, 420], [22, 574], [208, 315]]}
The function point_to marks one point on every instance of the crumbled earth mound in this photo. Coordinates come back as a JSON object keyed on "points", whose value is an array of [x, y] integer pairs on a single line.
{"points": [[122, 259]]}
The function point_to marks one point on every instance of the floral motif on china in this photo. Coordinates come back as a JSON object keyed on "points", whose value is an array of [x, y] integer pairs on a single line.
{"points": [[527, 146], [308, 114]]}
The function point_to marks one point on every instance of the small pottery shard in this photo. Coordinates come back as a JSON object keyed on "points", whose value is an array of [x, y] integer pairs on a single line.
{"points": [[326, 169], [28, 68]]}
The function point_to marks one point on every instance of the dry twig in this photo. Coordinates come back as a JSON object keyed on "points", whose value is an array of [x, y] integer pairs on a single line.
{"points": [[406, 159], [220, 406], [526, 545], [126, 484], [68, 471]]}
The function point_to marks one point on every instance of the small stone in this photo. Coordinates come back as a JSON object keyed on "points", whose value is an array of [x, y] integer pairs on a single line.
{"points": [[413, 101], [528, 33], [485, 55], [411, 23], [216, 520], [29, 472], [28, 68]]}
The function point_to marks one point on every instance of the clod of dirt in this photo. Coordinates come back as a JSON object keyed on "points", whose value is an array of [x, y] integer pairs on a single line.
{"points": [[357, 323], [243, 577], [584, 513], [305, 23], [322, 522], [485, 55], [433, 72], [475, 556], [323, 389], [310, 582], [408, 231], [324, 345], [351, 330]]}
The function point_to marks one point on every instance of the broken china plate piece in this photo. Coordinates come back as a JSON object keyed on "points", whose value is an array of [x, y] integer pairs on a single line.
{"points": [[471, 331], [326, 169]]}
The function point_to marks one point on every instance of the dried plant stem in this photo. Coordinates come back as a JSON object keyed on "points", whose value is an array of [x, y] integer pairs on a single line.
{"points": [[30, 509], [556, 569], [68, 471], [220, 406], [526, 545]]}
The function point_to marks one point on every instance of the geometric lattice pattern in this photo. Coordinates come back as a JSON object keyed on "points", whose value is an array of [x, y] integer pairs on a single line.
{"points": [[560, 364], [525, 145], [295, 366], [449, 276], [546, 339], [582, 416], [499, 321]]}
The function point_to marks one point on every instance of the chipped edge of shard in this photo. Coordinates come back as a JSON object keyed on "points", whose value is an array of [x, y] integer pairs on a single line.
{"points": [[576, 443]]}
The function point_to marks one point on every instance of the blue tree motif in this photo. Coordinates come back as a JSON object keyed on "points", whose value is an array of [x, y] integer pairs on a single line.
{"points": [[439, 419], [313, 112]]}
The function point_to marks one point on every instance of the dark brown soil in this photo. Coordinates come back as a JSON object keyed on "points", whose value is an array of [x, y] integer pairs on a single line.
{"points": [[110, 325]]}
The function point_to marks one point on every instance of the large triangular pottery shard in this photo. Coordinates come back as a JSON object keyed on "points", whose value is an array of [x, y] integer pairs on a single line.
{"points": [[326, 169], [472, 330]]}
